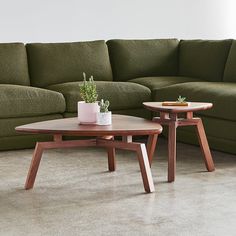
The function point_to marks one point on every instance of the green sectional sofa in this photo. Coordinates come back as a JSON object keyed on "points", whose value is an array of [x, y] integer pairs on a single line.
{"points": [[40, 81]]}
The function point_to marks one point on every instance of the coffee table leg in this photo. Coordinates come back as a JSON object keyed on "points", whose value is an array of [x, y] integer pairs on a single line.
{"points": [[172, 151], [111, 159], [34, 166], [145, 169], [204, 146], [111, 153], [151, 146]]}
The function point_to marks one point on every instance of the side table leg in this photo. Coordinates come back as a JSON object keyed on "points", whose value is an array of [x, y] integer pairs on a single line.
{"points": [[204, 146], [34, 166], [145, 169], [172, 151], [151, 146]]}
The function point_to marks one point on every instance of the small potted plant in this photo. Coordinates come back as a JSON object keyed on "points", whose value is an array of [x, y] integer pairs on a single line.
{"points": [[181, 99], [104, 116], [88, 108]]}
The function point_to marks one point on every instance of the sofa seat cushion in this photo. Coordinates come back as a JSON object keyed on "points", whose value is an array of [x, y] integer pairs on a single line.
{"points": [[162, 81], [26, 101], [222, 95], [122, 95], [55, 63]]}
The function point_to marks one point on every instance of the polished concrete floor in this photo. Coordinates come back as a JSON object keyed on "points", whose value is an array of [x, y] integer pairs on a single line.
{"points": [[74, 194]]}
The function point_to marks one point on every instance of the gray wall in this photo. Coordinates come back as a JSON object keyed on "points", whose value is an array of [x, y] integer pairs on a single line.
{"points": [[73, 20]]}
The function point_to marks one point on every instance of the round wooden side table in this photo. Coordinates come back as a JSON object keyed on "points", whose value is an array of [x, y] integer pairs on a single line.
{"points": [[169, 117]]}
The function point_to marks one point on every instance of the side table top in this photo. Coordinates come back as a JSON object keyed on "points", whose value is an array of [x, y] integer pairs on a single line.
{"points": [[121, 126], [193, 106]]}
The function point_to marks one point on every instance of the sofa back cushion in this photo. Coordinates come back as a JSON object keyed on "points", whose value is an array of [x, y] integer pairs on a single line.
{"points": [[230, 67], [13, 64], [204, 59], [131, 59], [54, 63]]}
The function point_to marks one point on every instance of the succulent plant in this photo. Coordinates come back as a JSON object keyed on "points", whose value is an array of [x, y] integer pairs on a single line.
{"points": [[103, 105], [181, 99], [88, 90]]}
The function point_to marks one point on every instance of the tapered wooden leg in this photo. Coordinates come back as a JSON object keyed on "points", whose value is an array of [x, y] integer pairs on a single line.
{"points": [[145, 169], [151, 146], [111, 159], [204, 146], [172, 151], [34, 166], [58, 143], [110, 154]]}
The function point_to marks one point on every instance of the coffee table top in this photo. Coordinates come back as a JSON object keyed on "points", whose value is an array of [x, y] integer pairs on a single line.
{"points": [[121, 126], [193, 106]]}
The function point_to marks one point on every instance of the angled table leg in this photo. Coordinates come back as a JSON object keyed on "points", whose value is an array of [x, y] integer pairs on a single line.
{"points": [[151, 146], [145, 169], [34, 166], [106, 142], [41, 146], [140, 149], [204, 146]]}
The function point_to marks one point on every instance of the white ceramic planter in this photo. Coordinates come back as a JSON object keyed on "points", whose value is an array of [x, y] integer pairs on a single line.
{"points": [[87, 112], [104, 118]]}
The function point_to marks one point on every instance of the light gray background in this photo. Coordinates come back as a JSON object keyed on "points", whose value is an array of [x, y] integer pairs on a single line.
{"points": [[75, 20]]}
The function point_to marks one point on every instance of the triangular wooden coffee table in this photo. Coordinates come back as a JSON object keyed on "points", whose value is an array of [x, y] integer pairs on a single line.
{"points": [[125, 126]]}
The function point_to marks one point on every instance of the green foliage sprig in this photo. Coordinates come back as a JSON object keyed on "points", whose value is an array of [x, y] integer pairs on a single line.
{"points": [[181, 99], [88, 90], [104, 105]]}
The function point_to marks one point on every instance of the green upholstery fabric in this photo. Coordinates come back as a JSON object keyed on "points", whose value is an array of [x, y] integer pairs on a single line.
{"points": [[22, 142], [222, 95], [122, 95], [141, 58], [54, 63], [221, 134], [162, 81], [13, 64], [214, 127], [203, 59], [139, 112], [230, 68], [25, 101], [219, 144], [7, 125]]}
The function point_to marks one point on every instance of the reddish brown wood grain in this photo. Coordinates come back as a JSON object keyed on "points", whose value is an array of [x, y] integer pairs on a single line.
{"points": [[151, 146], [125, 126], [121, 126], [169, 117], [194, 106]]}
